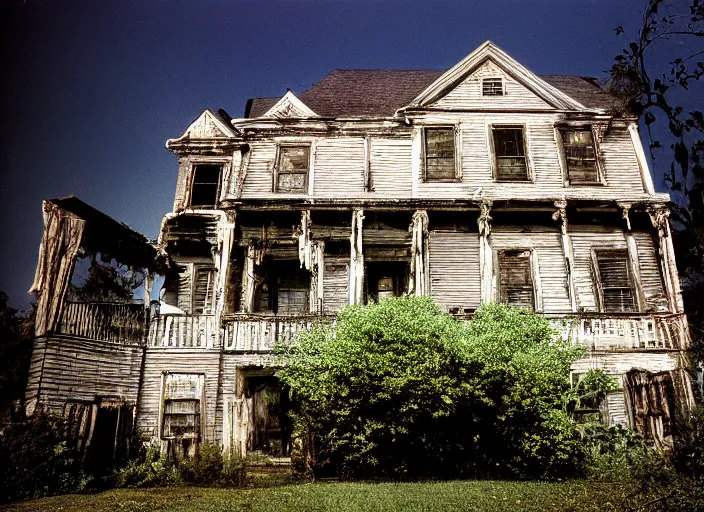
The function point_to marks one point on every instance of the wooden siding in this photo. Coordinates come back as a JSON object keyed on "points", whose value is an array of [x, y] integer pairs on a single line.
{"points": [[339, 167], [468, 93], [619, 363], [335, 284], [177, 361], [258, 181], [390, 167], [454, 269], [620, 163], [650, 273], [82, 370], [547, 245]]}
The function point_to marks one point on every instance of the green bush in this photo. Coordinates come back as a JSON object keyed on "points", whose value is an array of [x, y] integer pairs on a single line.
{"points": [[400, 389], [151, 470], [205, 468], [35, 460]]}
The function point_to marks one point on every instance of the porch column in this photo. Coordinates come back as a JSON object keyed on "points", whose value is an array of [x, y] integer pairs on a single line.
{"points": [[567, 250], [486, 256], [317, 269], [659, 217], [356, 283], [419, 283], [255, 256], [226, 233], [633, 255]]}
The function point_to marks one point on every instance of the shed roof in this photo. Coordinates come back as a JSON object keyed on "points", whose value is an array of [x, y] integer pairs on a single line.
{"points": [[380, 92]]}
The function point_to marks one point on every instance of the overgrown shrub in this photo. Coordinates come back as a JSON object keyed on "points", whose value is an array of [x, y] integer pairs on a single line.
{"points": [[400, 389], [35, 460], [205, 468], [153, 470]]}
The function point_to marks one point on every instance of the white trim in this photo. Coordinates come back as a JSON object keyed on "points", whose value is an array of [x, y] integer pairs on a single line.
{"points": [[645, 174], [227, 131], [287, 105]]}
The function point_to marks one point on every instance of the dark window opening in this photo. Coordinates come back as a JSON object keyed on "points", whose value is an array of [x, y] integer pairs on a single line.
{"points": [[515, 279], [492, 87], [440, 154], [386, 279], [616, 281], [580, 156], [292, 169], [206, 185], [284, 288], [271, 428], [509, 153]]}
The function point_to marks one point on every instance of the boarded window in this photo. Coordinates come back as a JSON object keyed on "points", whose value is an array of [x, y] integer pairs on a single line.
{"points": [[440, 154], [616, 281], [515, 280], [203, 290], [206, 185], [509, 153], [284, 288], [292, 169], [293, 295], [580, 156], [492, 87]]}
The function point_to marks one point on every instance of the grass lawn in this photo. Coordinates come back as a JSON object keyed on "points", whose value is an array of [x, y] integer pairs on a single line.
{"points": [[338, 497]]}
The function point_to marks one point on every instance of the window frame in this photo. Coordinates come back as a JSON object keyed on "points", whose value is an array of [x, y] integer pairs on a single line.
{"points": [[598, 158], [277, 167], [191, 183], [209, 305], [197, 435], [599, 285], [456, 155], [533, 269], [500, 79], [491, 127]]}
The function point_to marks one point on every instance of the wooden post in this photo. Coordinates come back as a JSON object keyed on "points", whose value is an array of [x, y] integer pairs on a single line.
{"points": [[356, 283], [419, 279], [486, 256], [567, 251], [659, 218], [255, 256], [633, 257]]}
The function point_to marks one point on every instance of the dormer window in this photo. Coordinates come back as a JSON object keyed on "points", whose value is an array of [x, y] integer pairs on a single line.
{"points": [[205, 187], [291, 173], [492, 87], [581, 161]]}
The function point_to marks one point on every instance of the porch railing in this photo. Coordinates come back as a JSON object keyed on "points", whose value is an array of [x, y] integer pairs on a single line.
{"points": [[259, 333], [103, 321], [184, 331]]}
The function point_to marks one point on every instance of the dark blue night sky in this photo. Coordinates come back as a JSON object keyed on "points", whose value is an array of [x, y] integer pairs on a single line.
{"points": [[92, 89]]}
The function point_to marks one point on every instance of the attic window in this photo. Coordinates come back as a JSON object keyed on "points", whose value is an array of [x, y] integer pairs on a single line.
{"points": [[580, 156], [292, 169], [439, 151], [509, 153], [515, 279], [205, 187], [615, 281], [492, 87]]}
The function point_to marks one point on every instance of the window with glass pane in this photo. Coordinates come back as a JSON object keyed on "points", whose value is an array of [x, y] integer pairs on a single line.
{"points": [[292, 169], [515, 280], [616, 281], [206, 185], [440, 154], [181, 418], [492, 87], [509, 153], [580, 156]]}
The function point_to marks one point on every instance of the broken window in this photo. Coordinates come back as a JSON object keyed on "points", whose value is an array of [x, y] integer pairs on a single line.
{"points": [[615, 281], [509, 153], [492, 87], [439, 153], [182, 408], [203, 290], [205, 187], [580, 156], [292, 169], [515, 279]]}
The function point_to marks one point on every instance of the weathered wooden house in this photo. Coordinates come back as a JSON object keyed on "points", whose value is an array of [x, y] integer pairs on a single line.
{"points": [[485, 182]]}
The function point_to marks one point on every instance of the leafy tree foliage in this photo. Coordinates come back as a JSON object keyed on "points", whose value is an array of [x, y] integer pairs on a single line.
{"points": [[400, 389], [659, 97], [16, 333], [106, 282]]}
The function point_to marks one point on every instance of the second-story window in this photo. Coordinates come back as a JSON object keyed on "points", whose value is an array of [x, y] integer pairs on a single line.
{"points": [[291, 173], [439, 153], [203, 289], [205, 187], [515, 278], [615, 281], [509, 153], [492, 87], [580, 156]]}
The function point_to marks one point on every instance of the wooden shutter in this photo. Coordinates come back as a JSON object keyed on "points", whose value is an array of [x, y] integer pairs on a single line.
{"points": [[203, 290], [617, 295], [455, 281], [515, 278]]}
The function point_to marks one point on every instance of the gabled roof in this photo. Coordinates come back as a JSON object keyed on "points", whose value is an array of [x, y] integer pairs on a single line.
{"points": [[289, 106], [381, 92], [209, 125]]}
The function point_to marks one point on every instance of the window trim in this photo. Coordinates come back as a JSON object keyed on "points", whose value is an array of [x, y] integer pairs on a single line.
{"points": [[503, 86], [457, 156], [491, 126], [534, 268], [598, 157], [308, 185], [196, 269], [162, 406], [191, 178], [634, 280]]}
